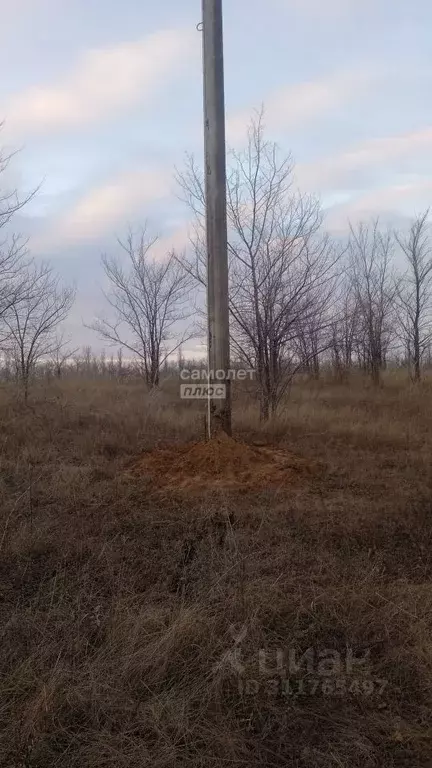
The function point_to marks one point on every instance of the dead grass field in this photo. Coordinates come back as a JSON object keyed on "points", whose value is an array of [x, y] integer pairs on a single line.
{"points": [[120, 600]]}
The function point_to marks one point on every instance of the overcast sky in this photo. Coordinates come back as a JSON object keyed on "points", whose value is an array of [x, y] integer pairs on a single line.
{"points": [[105, 97]]}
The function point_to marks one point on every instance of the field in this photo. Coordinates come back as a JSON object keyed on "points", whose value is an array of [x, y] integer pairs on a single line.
{"points": [[142, 626]]}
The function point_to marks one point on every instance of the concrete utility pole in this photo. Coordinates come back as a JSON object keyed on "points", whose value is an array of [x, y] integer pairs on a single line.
{"points": [[216, 214]]}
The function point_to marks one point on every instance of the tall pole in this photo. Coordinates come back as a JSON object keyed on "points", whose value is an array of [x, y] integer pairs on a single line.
{"points": [[216, 215]]}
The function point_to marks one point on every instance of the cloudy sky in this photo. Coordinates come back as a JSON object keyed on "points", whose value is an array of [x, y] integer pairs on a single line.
{"points": [[104, 98]]}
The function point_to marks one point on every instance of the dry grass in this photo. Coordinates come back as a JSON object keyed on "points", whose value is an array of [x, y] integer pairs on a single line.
{"points": [[118, 603]]}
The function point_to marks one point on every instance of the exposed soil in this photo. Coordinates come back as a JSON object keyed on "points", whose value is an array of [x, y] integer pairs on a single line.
{"points": [[220, 463]]}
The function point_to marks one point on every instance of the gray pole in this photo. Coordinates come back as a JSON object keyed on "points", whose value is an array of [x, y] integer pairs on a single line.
{"points": [[216, 215]]}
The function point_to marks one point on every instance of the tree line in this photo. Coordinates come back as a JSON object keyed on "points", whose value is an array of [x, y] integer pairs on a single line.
{"points": [[33, 300], [298, 297]]}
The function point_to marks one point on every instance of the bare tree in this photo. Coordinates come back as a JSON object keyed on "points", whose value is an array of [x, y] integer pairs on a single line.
{"points": [[12, 247], [282, 268], [33, 322], [370, 266], [314, 335], [12, 276], [10, 201], [149, 300], [120, 365], [414, 294], [346, 328], [87, 357], [60, 355]]}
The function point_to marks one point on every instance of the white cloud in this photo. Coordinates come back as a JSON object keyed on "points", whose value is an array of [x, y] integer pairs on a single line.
{"points": [[294, 105], [324, 7], [102, 82], [177, 241], [103, 209], [372, 154], [398, 199]]}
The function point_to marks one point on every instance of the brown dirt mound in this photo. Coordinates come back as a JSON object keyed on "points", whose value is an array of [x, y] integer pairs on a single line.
{"points": [[221, 463]]}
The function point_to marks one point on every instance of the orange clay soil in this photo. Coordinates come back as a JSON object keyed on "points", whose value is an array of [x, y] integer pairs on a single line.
{"points": [[221, 463]]}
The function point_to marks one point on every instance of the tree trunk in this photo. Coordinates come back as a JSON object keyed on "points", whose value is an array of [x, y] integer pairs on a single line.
{"points": [[376, 372], [417, 374], [264, 406]]}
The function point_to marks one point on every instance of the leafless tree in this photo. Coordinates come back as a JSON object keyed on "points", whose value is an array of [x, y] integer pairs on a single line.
{"points": [[374, 286], [12, 247], [120, 364], [346, 328], [314, 335], [414, 294], [149, 299], [33, 322], [12, 276], [282, 267], [10, 200], [60, 355]]}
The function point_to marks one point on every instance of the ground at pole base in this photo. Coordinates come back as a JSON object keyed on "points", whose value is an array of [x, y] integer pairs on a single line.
{"points": [[221, 463]]}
